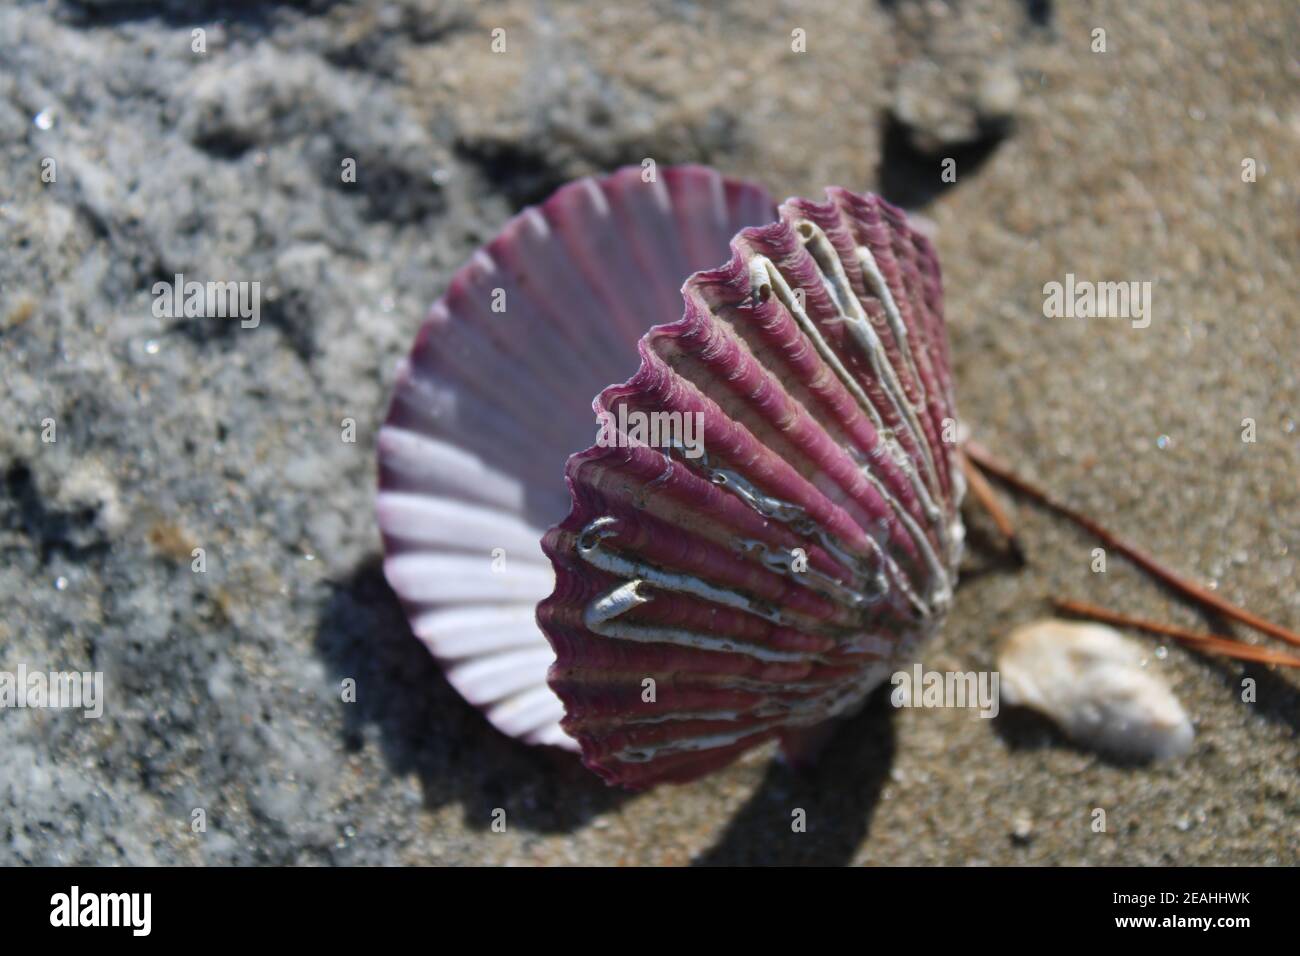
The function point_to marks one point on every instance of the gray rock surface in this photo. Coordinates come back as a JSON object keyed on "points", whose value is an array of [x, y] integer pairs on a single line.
{"points": [[175, 434]]}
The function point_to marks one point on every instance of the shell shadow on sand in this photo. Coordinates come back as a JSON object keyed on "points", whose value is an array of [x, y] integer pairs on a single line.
{"points": [[839, 796], [407, 709], [421, 725]]}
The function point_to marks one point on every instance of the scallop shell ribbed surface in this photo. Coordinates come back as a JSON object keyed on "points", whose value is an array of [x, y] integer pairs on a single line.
{"points": [[769, 525]]}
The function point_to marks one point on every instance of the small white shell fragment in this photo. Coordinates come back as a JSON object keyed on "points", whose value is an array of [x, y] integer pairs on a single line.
{"points": [[1090, 681]]}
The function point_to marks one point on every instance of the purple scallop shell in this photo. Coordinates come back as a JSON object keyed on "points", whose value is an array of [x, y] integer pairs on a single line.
{"points": [[490, 404], [705, 597]]}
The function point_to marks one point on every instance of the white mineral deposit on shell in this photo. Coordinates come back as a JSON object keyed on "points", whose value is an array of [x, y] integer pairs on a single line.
{"points": [[1091, 682]]}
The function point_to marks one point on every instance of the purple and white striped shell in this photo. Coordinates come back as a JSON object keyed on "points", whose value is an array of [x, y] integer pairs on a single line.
{"points": [[701, 597]]}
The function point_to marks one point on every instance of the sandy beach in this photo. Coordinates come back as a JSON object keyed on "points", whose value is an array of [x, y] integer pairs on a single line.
{"points": [[176, 434]]}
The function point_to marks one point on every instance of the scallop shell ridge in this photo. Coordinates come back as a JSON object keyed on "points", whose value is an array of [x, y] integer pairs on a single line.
{"points": [[762, 577], [495, 396]]}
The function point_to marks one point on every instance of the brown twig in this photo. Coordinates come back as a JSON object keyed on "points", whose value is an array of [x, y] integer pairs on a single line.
{"points": [[987, 497], [999, 469], [1208, 643]]}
